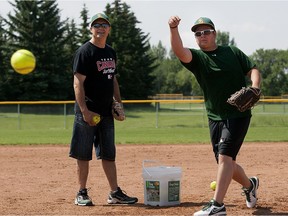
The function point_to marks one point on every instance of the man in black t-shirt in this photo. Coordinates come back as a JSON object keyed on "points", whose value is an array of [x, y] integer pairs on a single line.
{"points": [[95, 87]]}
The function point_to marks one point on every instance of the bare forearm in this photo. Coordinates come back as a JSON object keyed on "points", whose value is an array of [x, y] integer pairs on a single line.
{"points": [[255, 77], [182, 53], [80, 97], [176, 42], [117, 94]]}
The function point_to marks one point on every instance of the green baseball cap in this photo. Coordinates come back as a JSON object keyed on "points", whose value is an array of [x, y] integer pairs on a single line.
{"points": [[99, 16], [202, 21]]}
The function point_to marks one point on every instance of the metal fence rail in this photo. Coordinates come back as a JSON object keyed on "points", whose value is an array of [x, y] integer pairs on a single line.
{"points": [[15, 109]]}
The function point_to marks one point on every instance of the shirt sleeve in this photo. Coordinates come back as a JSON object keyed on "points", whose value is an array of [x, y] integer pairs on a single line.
{"points": [[80, 62], [246, 63]]}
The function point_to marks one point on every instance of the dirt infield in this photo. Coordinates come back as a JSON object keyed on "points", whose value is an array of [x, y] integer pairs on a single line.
{"points": [[41, 180]]}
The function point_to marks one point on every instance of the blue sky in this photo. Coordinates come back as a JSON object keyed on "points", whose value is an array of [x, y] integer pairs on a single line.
{"points": [[253, 24]]}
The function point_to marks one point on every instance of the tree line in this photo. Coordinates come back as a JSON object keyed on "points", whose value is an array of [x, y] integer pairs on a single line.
{"points": [[144, 70]]}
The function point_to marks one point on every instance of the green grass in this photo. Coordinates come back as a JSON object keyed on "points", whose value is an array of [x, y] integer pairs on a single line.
{"points": [[175, 124]]}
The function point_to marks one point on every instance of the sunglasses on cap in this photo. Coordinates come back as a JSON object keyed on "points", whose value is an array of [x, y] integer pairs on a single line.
{"points": [[103, 25], [204, 32]]}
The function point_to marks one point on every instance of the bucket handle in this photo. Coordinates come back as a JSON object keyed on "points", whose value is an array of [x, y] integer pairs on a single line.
{"points": [[148, 161]]}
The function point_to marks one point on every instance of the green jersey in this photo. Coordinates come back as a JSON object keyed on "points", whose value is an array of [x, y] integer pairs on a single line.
{"points": [[220, 73]]}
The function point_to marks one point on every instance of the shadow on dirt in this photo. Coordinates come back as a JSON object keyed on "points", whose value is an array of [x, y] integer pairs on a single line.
{"points": [[182, 204], [267, 211]]}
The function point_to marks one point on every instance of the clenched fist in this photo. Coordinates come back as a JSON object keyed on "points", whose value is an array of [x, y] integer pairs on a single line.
{"points": [[174, 21]]}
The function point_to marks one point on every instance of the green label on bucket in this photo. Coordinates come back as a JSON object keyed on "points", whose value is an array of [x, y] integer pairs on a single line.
{"points": [[173, 191], [153, 191]]}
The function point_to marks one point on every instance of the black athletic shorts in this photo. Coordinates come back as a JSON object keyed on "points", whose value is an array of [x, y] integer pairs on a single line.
{"points": [[228, 135]]}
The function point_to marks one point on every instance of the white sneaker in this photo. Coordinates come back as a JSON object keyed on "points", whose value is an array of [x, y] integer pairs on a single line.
{"points": [[212, 208], [251, 195], [82, 198]]}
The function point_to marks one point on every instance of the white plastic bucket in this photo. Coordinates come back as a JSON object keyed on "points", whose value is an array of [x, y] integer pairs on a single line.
{"points": [[161, 184]]}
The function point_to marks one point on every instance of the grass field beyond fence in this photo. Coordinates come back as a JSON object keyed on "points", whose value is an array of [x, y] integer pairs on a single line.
{"points": [[171, 124]]}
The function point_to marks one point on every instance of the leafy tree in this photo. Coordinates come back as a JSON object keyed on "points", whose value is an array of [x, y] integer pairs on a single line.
{"points": [[36, 26], [4, 60], [73, 37], [172, 68], [76, 36], [184, 82], [223, 38], [170, 75], [134, 63], [143, 70], [84, 30], [273, 65], [196, 89], [159, 54]]}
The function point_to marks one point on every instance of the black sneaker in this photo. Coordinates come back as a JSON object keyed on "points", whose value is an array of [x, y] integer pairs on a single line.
{"points": [[83, 199], [119, 197], [251, 194], [212, 208]]}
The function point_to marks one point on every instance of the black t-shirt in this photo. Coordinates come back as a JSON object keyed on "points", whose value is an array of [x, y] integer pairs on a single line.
{"points": [[99, 67]]}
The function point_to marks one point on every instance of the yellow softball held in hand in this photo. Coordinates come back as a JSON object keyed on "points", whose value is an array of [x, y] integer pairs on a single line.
{"points": [[96, 119], [213, 185]]}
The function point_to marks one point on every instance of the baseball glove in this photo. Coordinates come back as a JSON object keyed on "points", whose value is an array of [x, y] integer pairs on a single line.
{"points": [[245, 98], [118, 111]]}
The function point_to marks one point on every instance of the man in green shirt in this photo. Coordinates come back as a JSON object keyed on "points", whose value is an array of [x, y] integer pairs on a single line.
{"points": [[220, 72]]}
